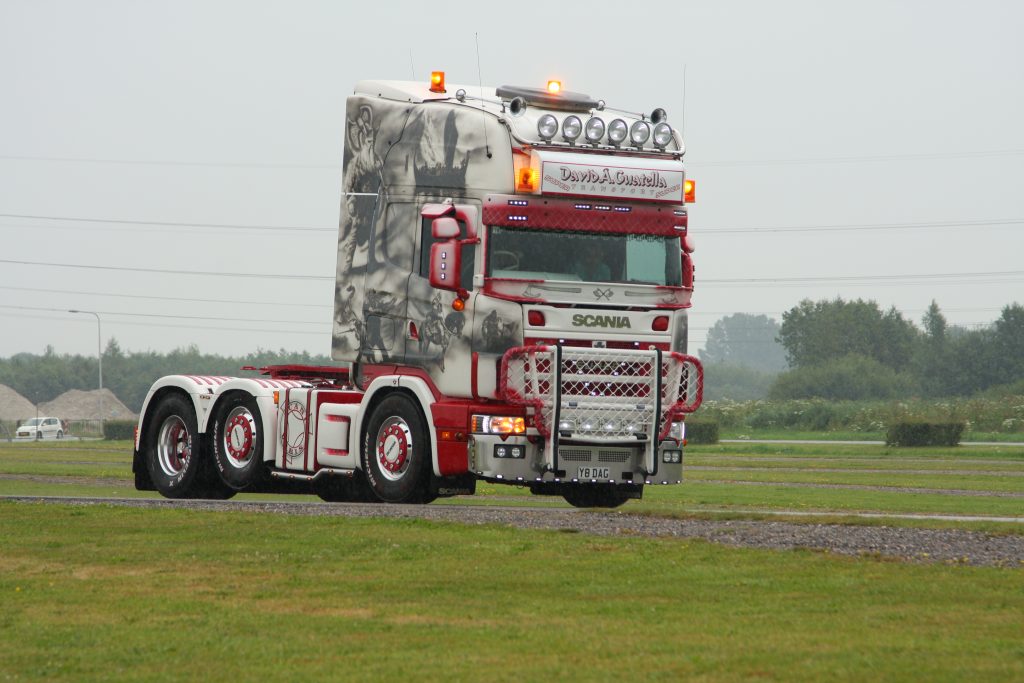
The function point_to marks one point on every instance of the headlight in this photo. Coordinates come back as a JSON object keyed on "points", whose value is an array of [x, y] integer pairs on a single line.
{"points": [[571, 127], [595, 129], [547, 126], [498, 424], [662, 135], [617, 131], [677, 431], [639, 133]]}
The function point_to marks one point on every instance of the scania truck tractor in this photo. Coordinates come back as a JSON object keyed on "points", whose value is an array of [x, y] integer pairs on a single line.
{"points": [[513, 277]]}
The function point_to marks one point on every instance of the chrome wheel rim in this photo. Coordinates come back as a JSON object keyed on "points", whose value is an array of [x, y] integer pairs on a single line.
{"points": [[394, 446], [239, 437], [174, 446]]}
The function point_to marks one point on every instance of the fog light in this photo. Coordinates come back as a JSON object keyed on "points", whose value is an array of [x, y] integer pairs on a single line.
{"points": [[672, 456], [509, 451], [566, 425]]}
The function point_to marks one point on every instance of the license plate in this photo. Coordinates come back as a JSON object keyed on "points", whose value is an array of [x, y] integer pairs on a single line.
{"points": [[592, 473]]}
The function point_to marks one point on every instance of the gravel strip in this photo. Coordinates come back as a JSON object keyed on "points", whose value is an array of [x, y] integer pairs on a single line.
{"points": [[853, 470], [952, 546], [864, 487]]}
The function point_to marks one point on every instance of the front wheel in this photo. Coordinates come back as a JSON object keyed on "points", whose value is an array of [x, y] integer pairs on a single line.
{"points": [[60, 435], [396, 452]]}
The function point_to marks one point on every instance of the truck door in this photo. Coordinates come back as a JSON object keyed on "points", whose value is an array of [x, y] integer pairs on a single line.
{"points": [[443, 343], [386, 302]]}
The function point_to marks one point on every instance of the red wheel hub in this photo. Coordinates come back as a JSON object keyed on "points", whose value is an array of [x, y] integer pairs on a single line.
{"points": [[239, 437], [392, 448]]}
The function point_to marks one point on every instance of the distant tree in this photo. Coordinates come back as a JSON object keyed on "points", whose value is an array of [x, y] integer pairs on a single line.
{"points": [[1009, 342], [735, 383], [816, 332], [745, 340], [850, 378], [932, 358]]}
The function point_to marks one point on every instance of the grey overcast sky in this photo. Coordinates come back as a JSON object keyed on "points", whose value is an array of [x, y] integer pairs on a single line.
{"points": [[899, 122]]}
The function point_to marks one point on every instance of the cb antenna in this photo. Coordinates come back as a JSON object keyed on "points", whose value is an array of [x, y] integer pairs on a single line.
{"points": [[412, 65], [682, 124], [480, 82]]}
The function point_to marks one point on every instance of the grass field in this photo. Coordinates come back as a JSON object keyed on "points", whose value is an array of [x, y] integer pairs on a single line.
{"points": [[105, 593], [111, 593]]}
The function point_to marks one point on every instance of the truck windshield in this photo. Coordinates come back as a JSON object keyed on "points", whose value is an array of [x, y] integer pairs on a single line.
{"points": [[523, 254]]}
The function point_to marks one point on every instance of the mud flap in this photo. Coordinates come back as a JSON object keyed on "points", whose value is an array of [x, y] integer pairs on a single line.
{"points": [[142, 480], [460, 485]]}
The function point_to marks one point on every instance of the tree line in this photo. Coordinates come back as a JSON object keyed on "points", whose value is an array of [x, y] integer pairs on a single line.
{"points": [[851, 350], [41, 378]]}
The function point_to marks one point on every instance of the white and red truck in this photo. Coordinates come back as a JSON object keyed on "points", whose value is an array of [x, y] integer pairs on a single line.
{"points": [[513, 277]]}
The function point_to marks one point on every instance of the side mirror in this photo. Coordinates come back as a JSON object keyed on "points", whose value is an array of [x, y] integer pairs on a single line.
{"points": [[446, 261], [444, 228]]}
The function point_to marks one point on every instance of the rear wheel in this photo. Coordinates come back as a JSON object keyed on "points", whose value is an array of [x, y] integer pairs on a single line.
{"points": [[238, 442], [60, 435], [396, 452], [172, 447], [594, 495]]}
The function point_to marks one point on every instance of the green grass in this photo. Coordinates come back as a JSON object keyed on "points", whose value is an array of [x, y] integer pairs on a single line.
{"points": [[121, 594], [839, 435]]}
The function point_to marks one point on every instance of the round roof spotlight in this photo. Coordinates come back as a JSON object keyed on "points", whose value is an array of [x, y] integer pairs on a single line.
{"points": [[460, 95], [662, 135], [547, 126], [595, 130], [571, 128], [639, 133], [617, 131], [517, 106], [658, 115]]}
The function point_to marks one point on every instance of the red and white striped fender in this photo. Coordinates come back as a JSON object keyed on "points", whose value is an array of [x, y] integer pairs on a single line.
{"points": [[206, 390], [424, 396]]}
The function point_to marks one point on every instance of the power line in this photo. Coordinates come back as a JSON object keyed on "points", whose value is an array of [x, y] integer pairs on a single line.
{"points": [[165, 162], [272, 276], [182, 317], [308, 333], [169, 298], [862, 278], [173, 224], [869, 226], [860, 159]]}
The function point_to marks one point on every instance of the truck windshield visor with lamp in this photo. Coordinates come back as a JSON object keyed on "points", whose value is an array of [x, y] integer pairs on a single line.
{"points": [[622, 258]]}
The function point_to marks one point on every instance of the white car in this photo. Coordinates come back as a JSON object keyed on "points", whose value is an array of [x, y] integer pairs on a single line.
{"points": [[41, 428]]}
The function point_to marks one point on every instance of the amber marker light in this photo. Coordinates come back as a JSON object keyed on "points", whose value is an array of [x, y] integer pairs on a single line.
{"points": [[458, 304], [437, 81], [528, 179], [554, 87], [689, 191]]}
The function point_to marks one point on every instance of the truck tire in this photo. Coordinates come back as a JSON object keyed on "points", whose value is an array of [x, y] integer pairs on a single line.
{"points": [[594, 495], [173, 448], [237, 442], [396, 452]]}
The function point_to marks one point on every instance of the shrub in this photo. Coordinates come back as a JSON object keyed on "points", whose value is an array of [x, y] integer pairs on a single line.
{"points": [[119, 430], [701, 431], [920, 433]]}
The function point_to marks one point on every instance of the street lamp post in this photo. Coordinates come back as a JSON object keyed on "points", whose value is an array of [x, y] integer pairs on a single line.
{"points": [[99, 356]]}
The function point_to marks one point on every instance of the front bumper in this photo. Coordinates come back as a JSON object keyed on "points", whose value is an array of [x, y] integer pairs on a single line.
{"points": [[490, 457]]}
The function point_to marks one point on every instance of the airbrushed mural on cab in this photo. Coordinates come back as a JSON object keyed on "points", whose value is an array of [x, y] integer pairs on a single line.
{"points": [[397, 160]]}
